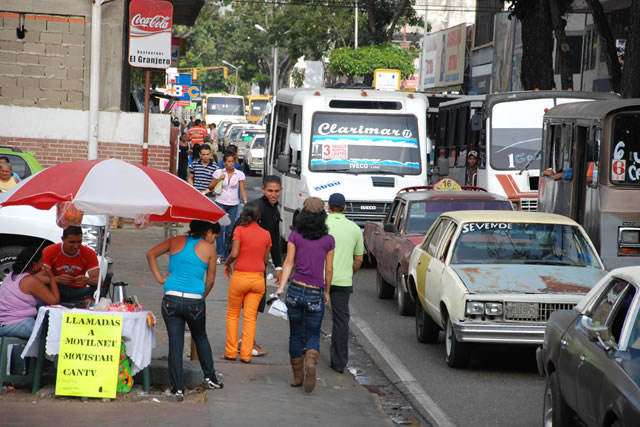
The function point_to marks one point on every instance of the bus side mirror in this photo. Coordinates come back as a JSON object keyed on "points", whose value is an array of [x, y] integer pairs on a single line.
{"points": [[476, 122], [443, 166], [592, 150], [295, 141], [283, 163]]}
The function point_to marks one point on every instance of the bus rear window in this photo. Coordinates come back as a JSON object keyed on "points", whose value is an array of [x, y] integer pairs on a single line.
{"points": [[365, 105], [625, 157], [225, 106]]}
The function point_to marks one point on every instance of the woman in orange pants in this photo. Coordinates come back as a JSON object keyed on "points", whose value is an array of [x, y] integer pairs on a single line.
{"points": [[250, 252]]}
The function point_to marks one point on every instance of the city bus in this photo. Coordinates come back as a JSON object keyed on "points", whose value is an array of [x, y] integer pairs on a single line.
{"points": [[365, 144], [591, 173], [505, 130], [217, 107], [256, 107]]}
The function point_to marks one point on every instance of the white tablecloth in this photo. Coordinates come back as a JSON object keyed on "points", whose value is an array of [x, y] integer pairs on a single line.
{"points": [[139, 338]]}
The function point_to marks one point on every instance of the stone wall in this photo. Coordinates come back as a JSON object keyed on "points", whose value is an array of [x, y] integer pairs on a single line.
{"points": [[46, 67]]}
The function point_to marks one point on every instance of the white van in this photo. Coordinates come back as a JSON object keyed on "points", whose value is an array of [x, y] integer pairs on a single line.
{"points": [[365, 144]]}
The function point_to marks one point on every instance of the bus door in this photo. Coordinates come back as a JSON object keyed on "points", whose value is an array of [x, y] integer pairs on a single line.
{"points": [[559, 172]]}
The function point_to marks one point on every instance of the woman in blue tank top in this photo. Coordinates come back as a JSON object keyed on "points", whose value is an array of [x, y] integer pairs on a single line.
{"points": [[192, 270]]}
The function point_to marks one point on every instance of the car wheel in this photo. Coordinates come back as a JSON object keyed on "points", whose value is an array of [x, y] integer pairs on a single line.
{"points": [[555, 411], [458, 352], [426, 329], [383, 288], [406, 307], [8, 255]]}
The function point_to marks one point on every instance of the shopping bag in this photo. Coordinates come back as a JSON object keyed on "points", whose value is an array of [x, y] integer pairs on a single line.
{"points": [[279, 309]]}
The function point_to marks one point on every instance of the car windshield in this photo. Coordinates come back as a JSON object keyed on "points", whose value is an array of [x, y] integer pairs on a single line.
{"points": [[423, 214], [365, 143], [515, 243], [258, 142], [224, 105]]}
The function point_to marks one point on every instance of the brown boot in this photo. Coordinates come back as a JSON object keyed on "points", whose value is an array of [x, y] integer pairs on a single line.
{"points": [[310, 362], [298, 372]]}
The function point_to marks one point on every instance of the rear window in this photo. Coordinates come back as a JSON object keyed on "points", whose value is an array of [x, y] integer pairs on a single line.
{"points": [[423, 214], [18, 165]]}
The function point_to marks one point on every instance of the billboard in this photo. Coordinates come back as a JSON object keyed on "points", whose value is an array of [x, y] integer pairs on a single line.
{"points": [[507, 54], [150, 25], [443, 58]]}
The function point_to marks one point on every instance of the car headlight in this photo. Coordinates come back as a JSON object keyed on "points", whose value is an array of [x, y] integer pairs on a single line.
{"points": [[493, 308], [92, 236], [475, 308], [630, 236]]}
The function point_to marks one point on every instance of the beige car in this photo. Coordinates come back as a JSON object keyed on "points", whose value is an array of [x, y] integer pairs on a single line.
{"points": [[235, 128]]}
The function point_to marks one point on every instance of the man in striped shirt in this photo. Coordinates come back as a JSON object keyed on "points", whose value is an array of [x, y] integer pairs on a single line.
{"points": [[197, 133], [201, 172]]}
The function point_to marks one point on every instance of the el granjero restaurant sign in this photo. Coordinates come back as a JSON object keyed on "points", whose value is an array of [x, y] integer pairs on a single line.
{"points": [[150, 25]]}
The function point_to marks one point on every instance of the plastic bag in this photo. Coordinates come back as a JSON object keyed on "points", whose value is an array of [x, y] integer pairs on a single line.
{"points": [[279, 309], [142, 221], [67, 214]]}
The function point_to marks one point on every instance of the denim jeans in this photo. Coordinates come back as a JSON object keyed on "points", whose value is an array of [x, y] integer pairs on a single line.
{"points": [[71, 294], [21, 329], [225, 233], [305, 307], [175, 312]]}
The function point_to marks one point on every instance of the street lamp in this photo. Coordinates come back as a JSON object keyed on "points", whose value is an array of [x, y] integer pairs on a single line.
{"points": [[274, 77], [235, 87]]}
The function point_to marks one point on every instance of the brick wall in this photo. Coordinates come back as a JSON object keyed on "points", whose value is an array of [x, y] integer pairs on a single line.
{"points": [[50, 152], [46, 67]]}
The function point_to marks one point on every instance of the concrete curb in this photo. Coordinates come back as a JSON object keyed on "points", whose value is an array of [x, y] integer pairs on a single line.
{"points": [[398, 374]]}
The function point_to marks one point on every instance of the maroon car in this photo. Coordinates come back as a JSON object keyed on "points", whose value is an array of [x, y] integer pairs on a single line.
{"points": [[413, 211]]}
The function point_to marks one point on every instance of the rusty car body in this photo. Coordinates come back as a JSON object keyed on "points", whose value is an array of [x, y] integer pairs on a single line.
{"points": [[496, 276], [591, 356]]}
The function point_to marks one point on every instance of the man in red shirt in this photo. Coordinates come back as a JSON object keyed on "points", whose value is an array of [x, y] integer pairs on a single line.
{"points": [[75, 267], [197, 133]]}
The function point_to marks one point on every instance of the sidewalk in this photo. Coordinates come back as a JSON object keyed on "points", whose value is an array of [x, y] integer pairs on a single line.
{"points": [[254, 394]]}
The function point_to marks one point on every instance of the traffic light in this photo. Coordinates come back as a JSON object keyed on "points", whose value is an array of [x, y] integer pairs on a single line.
{"points": [[226, 72], [194, 74]]}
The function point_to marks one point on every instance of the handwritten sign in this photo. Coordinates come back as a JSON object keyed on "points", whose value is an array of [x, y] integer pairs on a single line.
{"points": [[89, 355], [447, 184], [486, 226]]}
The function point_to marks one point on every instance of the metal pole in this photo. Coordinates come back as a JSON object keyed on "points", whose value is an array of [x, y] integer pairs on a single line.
{"points": [[235, 89], [145, 135], [356, 41], [424, 46], [275, 69], [94, 85]]}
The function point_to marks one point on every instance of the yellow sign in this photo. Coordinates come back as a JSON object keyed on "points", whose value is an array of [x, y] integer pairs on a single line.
{"points": [[447, 184], [384, 79], [89, 355]]}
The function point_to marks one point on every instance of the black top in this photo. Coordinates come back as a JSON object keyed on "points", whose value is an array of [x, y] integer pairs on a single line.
{"points": [[270, 221]]}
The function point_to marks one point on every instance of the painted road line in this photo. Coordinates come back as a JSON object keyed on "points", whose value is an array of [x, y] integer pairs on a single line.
{"points": [[406, 381]]}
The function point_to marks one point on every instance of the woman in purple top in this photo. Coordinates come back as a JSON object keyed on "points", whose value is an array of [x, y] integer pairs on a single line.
{"points": [[310, 249], [20, 293]]}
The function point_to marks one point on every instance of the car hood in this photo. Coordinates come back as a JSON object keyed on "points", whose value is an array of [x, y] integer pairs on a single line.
{"points": [[521, 278], [257, 152]]}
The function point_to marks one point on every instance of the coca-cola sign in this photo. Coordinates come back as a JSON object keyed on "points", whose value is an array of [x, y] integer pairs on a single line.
{"points": [[150, 23]]}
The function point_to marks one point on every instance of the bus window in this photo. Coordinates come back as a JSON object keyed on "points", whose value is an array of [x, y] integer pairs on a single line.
{"points": [[626, 147], [593, 165]]}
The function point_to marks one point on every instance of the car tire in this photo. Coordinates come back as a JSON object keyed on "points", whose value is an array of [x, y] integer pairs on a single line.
{"points": [[555, 412], [427, 331], [406, 306], [8, 255], [458, 352], [384, 289]]}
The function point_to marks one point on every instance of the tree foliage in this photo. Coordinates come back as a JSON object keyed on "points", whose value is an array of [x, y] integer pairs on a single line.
{"points": [[362, 62]]}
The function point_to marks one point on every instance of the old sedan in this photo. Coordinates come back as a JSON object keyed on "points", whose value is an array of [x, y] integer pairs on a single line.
{"points": [[591, 356], [495, 277]]}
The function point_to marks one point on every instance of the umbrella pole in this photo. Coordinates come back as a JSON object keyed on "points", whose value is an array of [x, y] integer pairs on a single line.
{"points": [[102, 257]]}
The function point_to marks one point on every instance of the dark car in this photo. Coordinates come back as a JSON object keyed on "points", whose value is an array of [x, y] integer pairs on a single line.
{"points": [[413, 211], [591, 356]]}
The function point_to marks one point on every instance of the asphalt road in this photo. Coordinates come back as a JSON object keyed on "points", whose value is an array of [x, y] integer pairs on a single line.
{"points": [[500, 388]]}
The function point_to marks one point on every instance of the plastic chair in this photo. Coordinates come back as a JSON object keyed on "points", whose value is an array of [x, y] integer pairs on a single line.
{"points": [[4, 358]]}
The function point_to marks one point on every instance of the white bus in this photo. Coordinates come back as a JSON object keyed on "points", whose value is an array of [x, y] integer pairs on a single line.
{"points": [[505, 129], [217, 107], [365, 144]]}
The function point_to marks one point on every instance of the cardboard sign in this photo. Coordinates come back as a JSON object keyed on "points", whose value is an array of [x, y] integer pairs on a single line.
{"points": [[150, 24], [384, 79], [89, 355]]}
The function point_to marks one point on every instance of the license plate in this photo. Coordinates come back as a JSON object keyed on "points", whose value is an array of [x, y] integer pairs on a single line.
{"points": [[521, 310]]}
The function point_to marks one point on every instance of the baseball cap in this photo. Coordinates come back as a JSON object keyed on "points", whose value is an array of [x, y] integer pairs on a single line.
{"points": [[473, 153], [337, 200], [313, 205]]}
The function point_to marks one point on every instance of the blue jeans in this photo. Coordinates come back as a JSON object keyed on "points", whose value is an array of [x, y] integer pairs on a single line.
{"points": [[21, 329], [305, 307], [225, 233], [175, 312]]}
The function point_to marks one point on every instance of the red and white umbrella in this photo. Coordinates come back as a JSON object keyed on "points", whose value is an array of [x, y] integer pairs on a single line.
{"points": [[114, 187], [117, 188]]}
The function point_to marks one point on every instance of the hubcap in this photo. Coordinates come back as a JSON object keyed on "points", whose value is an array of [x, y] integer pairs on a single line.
{"points": [[547, 420]]}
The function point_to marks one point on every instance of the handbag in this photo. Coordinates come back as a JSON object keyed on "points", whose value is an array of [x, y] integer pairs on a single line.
{"points": [[218, 188]]}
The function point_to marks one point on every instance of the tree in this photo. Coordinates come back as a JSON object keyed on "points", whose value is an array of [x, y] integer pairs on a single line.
{"points": [[384, 15], [631, 74], [362, 62], [557, 9], [609, 44]]}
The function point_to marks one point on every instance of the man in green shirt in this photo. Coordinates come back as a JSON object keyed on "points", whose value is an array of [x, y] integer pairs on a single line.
{"points": [[346, 262]]}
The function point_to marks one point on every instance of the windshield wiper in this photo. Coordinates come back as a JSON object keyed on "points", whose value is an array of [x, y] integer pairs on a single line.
{"points": [[545, 262], [525, 167]]}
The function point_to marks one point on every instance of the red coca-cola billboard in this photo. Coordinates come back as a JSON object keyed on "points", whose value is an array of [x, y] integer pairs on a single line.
{"points": [[150, 23]]}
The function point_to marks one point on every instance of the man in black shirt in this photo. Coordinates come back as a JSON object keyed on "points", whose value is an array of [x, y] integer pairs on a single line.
{"points": [[270, 221]]}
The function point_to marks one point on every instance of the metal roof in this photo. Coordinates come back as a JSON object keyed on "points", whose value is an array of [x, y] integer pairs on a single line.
{"points": [[298, 96], [449, 195], [510, 216], [594, 110], [185, 12]]}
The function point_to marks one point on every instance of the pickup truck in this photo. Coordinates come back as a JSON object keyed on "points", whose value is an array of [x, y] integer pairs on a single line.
{"points": [[389, 243]]}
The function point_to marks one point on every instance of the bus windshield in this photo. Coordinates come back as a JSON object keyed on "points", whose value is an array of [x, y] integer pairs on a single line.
{"points": [[224, 105], [358, 143], [258, 107], [626, 149]]}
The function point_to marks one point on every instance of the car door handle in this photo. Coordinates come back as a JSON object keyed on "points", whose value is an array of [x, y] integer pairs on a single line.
{"points": [[563, 344], [428, 270], [582, 358]]}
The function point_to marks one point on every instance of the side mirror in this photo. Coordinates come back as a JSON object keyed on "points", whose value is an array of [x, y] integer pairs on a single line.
{"points": [[476, 122], [389, 227], [443, 166], [295, 141], [283, 163], [601, 335]]}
